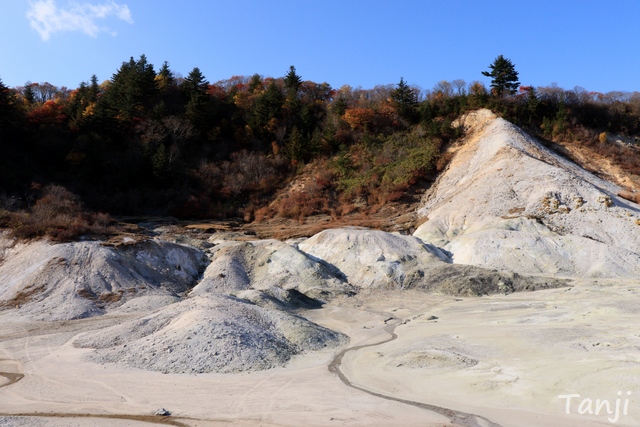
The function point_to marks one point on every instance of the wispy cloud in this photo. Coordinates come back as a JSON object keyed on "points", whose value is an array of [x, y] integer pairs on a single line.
{"points": [[47, 18]]}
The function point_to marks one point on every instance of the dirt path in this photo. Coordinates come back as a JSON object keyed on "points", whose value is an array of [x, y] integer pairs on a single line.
{"points": [[456, 417]]}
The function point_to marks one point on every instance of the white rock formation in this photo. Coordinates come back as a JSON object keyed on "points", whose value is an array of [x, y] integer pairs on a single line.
{"points": [[506, 202], [269, 265], [373, 258], [82, 279], [377, 259]]}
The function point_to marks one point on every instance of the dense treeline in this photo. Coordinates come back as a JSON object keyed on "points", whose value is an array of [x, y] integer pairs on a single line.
{"points": [[152, 142]]}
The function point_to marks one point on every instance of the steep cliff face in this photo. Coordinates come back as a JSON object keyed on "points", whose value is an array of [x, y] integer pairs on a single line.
{"points": [[508, 203]]}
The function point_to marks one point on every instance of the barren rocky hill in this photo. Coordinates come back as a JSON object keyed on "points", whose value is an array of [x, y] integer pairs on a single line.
{"points": [[507, 202]]}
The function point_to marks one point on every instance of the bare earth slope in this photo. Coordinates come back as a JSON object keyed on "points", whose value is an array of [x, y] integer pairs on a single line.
{"points": [[506, 202]]}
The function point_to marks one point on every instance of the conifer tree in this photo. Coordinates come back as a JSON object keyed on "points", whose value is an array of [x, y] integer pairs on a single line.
{"points": [[94, 89], [195, 88], [133, 88], [406, 100], [292, 82], [504, 77], [195, 83], [267, 106], [8, 110], [339, 106], [166, 76], [29, 94], [255, 83]]}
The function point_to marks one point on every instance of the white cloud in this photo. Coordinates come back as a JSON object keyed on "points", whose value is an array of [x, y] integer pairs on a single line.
{"points": [[47, 18]]}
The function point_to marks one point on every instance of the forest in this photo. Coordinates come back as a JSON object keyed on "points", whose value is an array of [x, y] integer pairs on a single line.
{"points": [[150, 142]]}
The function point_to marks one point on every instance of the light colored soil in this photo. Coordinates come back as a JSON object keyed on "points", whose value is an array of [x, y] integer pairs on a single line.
{"points": [[503, 358]]}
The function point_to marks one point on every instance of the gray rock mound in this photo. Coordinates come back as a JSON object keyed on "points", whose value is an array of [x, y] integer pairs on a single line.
{"points": [[216, 333], [377, 259], [372, 258], [75, 280], [272, 267], [468, 280]]}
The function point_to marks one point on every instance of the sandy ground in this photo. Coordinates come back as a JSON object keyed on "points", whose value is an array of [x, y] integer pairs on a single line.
{"points": [[504, 358]]}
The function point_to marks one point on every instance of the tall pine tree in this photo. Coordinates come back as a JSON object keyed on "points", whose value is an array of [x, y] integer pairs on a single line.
{"points": [[504, 77], [405, 100], [195, 88]]}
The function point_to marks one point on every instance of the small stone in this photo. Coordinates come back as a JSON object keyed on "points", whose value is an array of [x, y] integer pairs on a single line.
{"points": [[163, 412]]}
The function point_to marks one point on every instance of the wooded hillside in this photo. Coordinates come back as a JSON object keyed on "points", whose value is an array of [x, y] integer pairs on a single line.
{"points": [[149, 142]]}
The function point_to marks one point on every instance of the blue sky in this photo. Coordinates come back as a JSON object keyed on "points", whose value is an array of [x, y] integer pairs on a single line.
{"points": [[593, 44]]}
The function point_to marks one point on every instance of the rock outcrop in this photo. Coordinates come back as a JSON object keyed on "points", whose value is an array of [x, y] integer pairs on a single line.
{"points": [[506, 202], [381, 260], [82, 279], [373, 258], [270, 267]]}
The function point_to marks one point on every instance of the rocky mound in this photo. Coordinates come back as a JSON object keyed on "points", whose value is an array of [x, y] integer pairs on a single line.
{"points": [[373, 258], [508, 203], [377, 259], [75, 280], [469, 281], [272, 267], [215, 333]]}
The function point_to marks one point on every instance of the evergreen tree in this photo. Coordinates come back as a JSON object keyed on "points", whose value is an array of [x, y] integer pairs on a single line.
{"points": [[292, 82], [406, 100], [195, 88], [133, 89], [14, 151], [339, 106], [6, 100], [8, 109], [160, 163], [294, 147], [166, 76], [94, 89], [255, 83], [195, 83], [28, 93], [267, 106], [504, 77]]}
